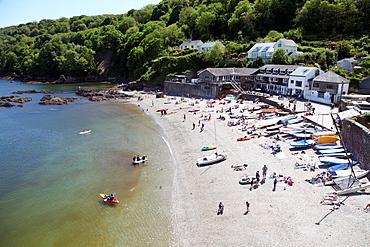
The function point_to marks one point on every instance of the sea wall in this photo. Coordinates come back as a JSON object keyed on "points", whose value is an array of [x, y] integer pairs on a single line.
{"points": [[203, 90], [357, 139]]}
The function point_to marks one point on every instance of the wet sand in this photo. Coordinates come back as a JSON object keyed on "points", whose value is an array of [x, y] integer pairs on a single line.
{"points": [[290, 215]]}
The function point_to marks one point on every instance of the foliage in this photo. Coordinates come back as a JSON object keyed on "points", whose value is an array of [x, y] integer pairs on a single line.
{"points": [[141, 44]]}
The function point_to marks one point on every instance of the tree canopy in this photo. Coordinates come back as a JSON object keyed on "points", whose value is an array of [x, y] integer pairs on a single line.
{"points": [[134, 45]]}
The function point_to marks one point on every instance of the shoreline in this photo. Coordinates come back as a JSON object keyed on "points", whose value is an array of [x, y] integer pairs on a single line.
{"points": [[287, 216]]}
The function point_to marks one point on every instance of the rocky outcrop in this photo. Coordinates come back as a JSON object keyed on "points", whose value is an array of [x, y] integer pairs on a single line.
{"points": [[35, 91], [6, 104], [52, 100], [15, 99], [102, 95]]}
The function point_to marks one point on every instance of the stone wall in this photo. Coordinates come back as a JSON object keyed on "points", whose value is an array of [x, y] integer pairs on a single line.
{"points": [[357, 140], [202, 90]]}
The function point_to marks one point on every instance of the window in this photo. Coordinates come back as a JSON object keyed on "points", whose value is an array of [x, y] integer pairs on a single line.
{"points": [[298, 83], [291, 81], [275, 71], [330, 86], [316, 84], [320, 94]]}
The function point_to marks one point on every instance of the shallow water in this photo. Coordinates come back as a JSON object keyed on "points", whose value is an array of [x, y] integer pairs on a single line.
{"points": [[51, 176]]}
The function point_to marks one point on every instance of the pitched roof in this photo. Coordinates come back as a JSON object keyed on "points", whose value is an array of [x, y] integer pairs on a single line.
{"points": [[211, 44], [230, 71], [191, 43], [302, 71], [289, 42], [331, 77], [280, 66], [263, 47], [365, 83]]}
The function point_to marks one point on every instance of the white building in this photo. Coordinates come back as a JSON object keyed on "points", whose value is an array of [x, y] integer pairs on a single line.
{"points": [[301, 79], [328, 88], [209, 45], [193, 44], [266, 50]]}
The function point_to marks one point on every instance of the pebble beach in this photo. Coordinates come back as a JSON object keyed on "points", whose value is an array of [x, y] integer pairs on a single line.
{"points": [[289, 215]]}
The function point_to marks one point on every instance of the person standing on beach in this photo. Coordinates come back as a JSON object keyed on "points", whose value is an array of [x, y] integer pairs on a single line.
{"points": [[184, 117], [247, 206], [275, 182], [221, 208], [193, 125], [264, 171]]}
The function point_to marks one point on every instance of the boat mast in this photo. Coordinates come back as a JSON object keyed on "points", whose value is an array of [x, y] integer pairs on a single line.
{"points": [[345, 150]]}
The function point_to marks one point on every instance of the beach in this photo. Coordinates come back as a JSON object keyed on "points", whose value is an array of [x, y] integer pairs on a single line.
{"points": [[289, 215]]}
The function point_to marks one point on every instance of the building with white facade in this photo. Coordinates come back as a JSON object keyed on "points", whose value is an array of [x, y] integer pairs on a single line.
{"points": [[193, 44], [301, 79], [328, 88], [209, 45], [266, 50]]}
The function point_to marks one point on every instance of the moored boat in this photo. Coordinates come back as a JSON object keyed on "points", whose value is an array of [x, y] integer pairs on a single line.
{"points": [[85, 132], [136, 160]]}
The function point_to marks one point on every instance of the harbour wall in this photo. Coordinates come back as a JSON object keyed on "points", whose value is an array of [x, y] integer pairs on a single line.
{"points": [[357, 139]]}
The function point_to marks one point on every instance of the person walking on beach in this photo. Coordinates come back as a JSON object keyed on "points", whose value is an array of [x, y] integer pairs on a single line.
{"points": [[193, 125], [275, 182], [221, 208], [264, 171], [247, 206], [184, 117], [257, 177]]}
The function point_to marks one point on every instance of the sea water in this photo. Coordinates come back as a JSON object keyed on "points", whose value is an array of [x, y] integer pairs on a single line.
{"points": [[51, 177]]}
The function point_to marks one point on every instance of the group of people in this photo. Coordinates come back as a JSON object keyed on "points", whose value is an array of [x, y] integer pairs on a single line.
{"points": [[139, 158]]}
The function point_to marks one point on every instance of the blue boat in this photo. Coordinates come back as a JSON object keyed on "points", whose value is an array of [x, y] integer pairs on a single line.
{"points": [[326, 146], [302, 144], [334, 160], [337, 168]]}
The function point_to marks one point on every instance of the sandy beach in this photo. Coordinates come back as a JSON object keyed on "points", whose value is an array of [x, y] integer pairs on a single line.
{"points": [[288, 216]]}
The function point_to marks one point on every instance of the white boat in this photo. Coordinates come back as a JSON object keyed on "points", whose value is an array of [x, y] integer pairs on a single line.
{"points": [[246, 180], [139, 161], [211, 159], [85, 132], [347, 172], [329, 151], [353, 189], [327, 146], [338, 155]]}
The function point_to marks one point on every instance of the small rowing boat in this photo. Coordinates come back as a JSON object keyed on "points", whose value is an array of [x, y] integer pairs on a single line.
{"points": [[85, 132]]}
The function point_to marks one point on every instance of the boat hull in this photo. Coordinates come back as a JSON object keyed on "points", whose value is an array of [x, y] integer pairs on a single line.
{"points": [[115, 201], [208, 160]]}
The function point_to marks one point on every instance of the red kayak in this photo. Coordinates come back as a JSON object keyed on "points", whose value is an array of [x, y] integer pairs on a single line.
{"points": [[160, 110], [243, 138], [104, 197]]}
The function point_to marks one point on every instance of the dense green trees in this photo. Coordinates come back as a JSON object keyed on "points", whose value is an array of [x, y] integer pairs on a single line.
{"points": [[141, 44]]}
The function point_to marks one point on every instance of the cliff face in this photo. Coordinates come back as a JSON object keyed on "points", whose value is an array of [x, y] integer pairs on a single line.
{"points": [[357, 139], [103, 58]]}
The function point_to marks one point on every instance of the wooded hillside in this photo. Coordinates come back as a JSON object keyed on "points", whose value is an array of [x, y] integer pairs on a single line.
{"points": [[142, 44]]}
